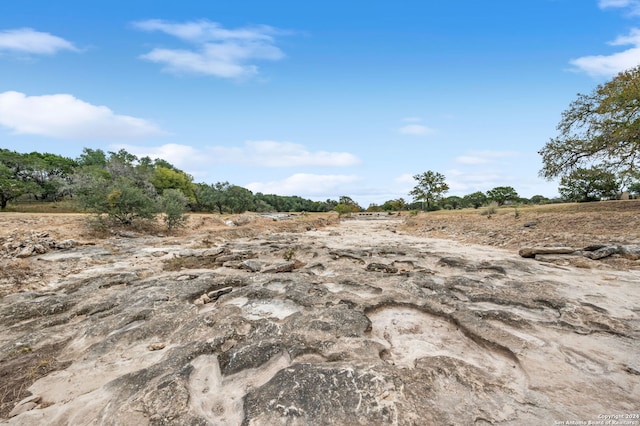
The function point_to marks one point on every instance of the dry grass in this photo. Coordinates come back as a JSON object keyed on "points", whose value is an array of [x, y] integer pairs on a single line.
{"points": [[21, 368], [572, 224]]}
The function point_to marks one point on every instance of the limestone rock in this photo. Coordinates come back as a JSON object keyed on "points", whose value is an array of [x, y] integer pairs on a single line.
{"points": [[251, 265], [530, 252], [603, 252], [462, 336], [381, 267], [280, 267]]}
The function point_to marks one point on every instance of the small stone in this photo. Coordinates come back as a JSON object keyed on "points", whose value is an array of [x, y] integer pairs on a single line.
{"points": [[22, 408], [381, 267], [631, 252], [25, 252], [533, 251], [29, 403], [251, 265], [156, 346], [603, 252], [66, 244], [280, 267], [215, 294]]}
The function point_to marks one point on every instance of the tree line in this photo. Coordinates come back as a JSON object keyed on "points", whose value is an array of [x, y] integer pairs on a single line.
{"points": [[126, 188]]}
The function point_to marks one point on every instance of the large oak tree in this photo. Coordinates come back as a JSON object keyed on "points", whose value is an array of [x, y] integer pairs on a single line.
{"points": [[601, 128]]}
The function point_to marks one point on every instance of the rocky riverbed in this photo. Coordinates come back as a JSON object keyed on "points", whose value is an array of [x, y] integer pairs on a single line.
{"points": [[349, 324]]}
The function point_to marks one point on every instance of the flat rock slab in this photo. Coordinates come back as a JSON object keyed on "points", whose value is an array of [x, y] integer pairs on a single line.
{"points": [[78, 253], [530, 252]]}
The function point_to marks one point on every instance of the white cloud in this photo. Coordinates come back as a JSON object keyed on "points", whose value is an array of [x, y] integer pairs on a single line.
{"points": [[66, 117], [632, 5], [610, 65], [216, 50], [306, 185], [280, 154], [30, 41], [176, 154], [415, 129]]}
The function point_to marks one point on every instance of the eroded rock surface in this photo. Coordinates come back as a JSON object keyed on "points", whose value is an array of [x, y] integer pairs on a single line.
{"points": [[355, 324]]}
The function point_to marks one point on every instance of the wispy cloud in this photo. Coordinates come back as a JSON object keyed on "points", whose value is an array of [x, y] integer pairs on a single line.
{"points": [[65, 117], [215, 50], [280, 154], [633, 6], [307, 185], [414, 129], [610, 65], [30, 41]]}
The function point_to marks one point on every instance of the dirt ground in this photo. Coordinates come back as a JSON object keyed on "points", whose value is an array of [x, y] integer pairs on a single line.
{"points": [[512, 228]]}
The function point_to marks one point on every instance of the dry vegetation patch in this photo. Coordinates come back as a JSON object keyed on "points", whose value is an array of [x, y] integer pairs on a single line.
{"points": [[23, 367], [573, 225]]}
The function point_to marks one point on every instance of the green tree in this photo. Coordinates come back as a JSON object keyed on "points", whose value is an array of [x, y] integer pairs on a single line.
{"points": [[119, 188], [164, 178], [601, 128], [398, 204], [127, 202], [539, 199], [91, 157], [239, 199], [50, 172], [174, 203], [502, 194], [475, 200], [430, 188], [212, 197], [452, 202], [45, 176], [593, 184], [11, 187], [120, 199], [343, 209]]}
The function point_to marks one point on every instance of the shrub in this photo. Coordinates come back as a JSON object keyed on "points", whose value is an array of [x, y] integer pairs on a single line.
{"points": [[490, 209], [173, 204]]}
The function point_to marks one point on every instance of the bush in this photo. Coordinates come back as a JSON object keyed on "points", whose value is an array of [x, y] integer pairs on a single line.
{"points": [[490, 209], [173, 204]]}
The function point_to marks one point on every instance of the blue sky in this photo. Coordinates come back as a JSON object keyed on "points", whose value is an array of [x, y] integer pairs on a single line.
{"points": [[318, 98]]}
